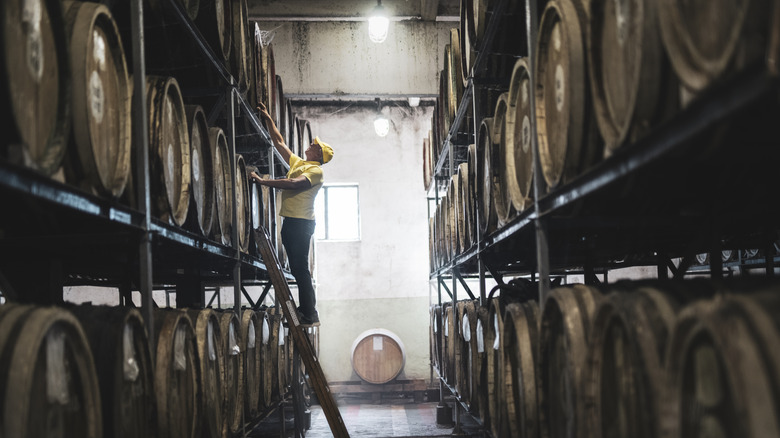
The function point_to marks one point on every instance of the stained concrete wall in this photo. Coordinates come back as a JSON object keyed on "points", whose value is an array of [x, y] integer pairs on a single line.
{"points": [[338, 57], [380, 281]]}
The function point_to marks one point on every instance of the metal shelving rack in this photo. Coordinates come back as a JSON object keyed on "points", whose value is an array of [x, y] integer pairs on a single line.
{"points": [[137, 251], [681, 200]]}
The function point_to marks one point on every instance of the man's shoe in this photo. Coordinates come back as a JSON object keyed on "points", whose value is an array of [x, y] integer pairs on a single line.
{"points": [[309, 321]]}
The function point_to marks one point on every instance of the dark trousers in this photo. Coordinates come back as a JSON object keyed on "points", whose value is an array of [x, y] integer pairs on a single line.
{"points": [[296, 237]]}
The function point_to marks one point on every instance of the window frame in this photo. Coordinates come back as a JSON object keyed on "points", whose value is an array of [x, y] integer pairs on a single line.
{"points": [[325, 220]]}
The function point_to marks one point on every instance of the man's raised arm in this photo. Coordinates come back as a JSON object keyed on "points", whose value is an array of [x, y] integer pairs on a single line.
{"points": [[276, 136]]}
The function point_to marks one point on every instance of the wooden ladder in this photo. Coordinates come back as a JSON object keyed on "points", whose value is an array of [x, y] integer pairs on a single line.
{"points": [[285, 298]]}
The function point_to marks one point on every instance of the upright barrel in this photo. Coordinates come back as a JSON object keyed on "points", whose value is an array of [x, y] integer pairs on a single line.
{"points": [[232, 373], [519, 155], [201, 210], [499, 166], [169, 150], [722, 367], [223, 189], [211, 361], [705, 43], [521, 367], [564, 131], [243, 205], [215, 22], [240, 52], [101, 98], [265, 335], [626, 62], [625, 380], [35, 84], [176, 375], [484, 175], [124, 368], [378, 356], [47, 372], [251, 335], [564, 339]]}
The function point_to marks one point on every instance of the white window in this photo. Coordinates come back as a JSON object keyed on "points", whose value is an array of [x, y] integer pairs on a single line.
{"points": [[338, 212]]}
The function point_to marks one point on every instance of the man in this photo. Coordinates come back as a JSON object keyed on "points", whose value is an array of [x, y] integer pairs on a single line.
{"points": [[299, 189]]}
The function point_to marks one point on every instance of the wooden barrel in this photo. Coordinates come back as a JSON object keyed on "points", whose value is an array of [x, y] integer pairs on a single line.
{"points": [[201, 210], [520, 341], [264, 336], [427, 174], [176, 375], [722, 366], [626, 62], [484, 175], [101, 98], [282, 358], [437, 334], [35, 84], [211, 360], [169, 150], [223, 190], [257, 219], [232, 373], [267, 76], [240, 52], [305, 137], [469, 357], [280, 251], [472, 164], [280, 107], [294, 141], [625, 381], [501, 201], [564, 340], [251, 334], [378, 356], [704, 43], [464, 208], [478, 371], [443, 118], [215, 22], [455, 78], [562, 97], [466, 35], [243, 205], [519, 156], [124, 368], [494, 374], [46, 372], [272, 368], [455, 222]]}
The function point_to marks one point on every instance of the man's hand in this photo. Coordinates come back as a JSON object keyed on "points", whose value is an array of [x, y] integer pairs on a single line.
{"points": [[263, 111]]}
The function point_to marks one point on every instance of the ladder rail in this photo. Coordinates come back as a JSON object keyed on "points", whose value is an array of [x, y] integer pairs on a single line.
{"points": [[310, 360]]}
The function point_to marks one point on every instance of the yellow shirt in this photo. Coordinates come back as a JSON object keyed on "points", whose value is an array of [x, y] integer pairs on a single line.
{"points": [[300, 203]]}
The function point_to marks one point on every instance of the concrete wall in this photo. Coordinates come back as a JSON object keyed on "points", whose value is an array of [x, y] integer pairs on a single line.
{"points": [[338, 57], [380, 281]]}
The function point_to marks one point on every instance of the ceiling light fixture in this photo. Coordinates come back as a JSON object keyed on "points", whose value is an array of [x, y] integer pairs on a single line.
{"points": [[378, 23]]}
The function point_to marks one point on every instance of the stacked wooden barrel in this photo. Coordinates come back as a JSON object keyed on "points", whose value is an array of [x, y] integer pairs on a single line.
{"points": [[212, 371], [605, 75], [645, 359]]}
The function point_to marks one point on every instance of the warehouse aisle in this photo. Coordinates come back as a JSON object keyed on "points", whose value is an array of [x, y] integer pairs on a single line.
{"points": [[382, 421]]}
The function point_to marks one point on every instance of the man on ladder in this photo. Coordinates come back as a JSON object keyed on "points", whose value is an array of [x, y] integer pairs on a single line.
{"points": [[299, 189]]}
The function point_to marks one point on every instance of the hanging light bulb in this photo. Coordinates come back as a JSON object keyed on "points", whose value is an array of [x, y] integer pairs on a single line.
{"points": [[381, 123], [378, 24]]}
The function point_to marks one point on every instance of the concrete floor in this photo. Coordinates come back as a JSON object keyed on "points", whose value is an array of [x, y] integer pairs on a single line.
{"points": [[377, 421]]}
